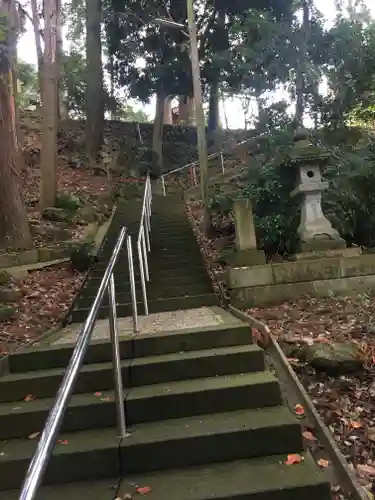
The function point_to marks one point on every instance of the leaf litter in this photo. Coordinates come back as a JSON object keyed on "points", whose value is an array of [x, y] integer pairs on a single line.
{"points": [[347, 402]]}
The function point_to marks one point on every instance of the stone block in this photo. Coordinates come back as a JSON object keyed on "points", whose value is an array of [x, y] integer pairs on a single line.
{"points": [[344, 286], [18, 259], [269, 294], [46, 254], [241, 277], [244, 225], [358, 266], [292, 272], [243, 258], [344, 252], [321, 244]]}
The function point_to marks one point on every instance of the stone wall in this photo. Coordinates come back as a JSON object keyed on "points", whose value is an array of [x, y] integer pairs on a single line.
{"points": [[179, 141], [276, 283]]}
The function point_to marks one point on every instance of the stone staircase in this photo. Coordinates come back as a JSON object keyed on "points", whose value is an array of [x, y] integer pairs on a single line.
{"points": [[206, 420], [178, 277], [205, 417]]}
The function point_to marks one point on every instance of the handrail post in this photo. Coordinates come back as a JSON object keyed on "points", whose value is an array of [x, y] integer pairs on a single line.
{"points": [[145, 260], [222, 162], [163, 185], [132, 283], [113, 330], [142, 271]]}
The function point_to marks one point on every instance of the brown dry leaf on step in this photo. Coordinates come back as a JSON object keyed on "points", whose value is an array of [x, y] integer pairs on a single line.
{"points": [[365, 470], [322, 462], [309, 436], [143, 490]]}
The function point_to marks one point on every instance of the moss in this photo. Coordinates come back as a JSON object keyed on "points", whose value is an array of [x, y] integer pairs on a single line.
{"points": [[6, 312]]}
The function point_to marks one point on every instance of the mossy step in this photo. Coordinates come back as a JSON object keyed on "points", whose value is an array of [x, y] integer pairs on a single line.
{"points": [[186, 441], [45, 383], [19, 419], [157, 260], [210, 438], [154, 306], [235, 333], [198, 397], [255, 479], [166, 281], [104, 489], [87, 455], [86, 411], [153, 293], [159, 275]]}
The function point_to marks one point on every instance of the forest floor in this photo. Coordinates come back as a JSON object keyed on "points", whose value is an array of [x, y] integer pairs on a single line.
{"points": [[46, 295], [346, 403]]}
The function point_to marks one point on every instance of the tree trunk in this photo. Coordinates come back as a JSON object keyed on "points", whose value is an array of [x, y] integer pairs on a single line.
{"points": [[300, 76], [167, 118], [213, 113], [94, 90], [48, 187], [38, 45], [14, 227], [59, 61], [157, 138]]}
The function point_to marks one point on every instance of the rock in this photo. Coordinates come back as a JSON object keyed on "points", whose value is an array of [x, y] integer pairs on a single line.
{"points": [[6, 312], [4, 278], [335, 357], [55, 214], [87, 214], [10, 295]]}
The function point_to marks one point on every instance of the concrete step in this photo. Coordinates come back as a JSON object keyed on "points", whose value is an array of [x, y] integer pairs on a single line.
{"points": [[155, 369], [29, 416], [255, 479], [161, 276], [154, 306], [191, 339], [153, 293], [164, 281], [87, 455], [104, 489], [15, 387], [209, 438], [197, 397], [157, 259]]}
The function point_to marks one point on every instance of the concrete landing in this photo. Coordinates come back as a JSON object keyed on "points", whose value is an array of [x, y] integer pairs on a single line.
{"points": [[153, 323]]}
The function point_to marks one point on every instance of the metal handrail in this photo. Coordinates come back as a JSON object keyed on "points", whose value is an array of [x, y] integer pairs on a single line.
{"points": [[195, 164], [143, 240], [47, 440]]}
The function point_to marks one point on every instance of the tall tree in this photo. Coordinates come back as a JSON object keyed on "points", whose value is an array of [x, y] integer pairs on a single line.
{"points": [[94, 75], [14, 228], [48, 184]]}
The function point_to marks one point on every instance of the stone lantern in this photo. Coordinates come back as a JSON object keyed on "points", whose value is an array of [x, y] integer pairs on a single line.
{"points": [[315, 230]]}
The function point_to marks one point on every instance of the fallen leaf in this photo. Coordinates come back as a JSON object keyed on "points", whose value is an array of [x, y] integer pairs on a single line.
{"points": [[62, 441], [33, 435], [106, 398], [98, 394], [29, 397], [309, 436], [367, 470], [355, 424], [299, 411], [144, 490], [322, 462], [293, 459]]}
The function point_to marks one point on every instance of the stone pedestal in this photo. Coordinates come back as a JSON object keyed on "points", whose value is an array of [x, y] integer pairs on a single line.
{"points": [[315, 231], [246, 253]]}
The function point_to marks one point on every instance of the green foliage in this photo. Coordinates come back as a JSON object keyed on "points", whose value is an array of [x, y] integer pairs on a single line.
{"points": [[82, 256], [28, 85], [68, 203], [348, 203]]}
